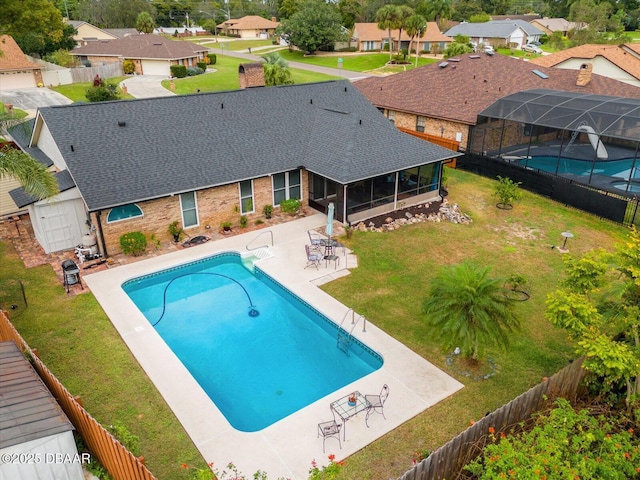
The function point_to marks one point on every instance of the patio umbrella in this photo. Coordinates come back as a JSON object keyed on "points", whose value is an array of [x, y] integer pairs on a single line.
{"points": [[329, 230]]}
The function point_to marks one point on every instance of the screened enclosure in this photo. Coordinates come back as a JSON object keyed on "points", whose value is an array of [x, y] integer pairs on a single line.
{"points": [[589, 139]]}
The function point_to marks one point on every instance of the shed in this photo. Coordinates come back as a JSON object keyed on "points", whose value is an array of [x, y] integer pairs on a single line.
{"points": [[36, 439]]}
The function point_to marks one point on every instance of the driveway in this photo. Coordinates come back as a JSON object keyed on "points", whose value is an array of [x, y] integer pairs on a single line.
{"points": [[146, 86], [30, 99]]}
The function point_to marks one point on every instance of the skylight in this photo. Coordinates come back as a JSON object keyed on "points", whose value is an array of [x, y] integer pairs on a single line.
{"points": [[540, 74]]}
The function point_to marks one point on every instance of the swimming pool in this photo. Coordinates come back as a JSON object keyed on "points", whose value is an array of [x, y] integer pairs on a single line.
{"points": [[256, 368], [611, 168]]}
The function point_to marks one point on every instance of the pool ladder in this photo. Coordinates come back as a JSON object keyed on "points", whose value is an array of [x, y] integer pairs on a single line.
{"points": [[344, 337]]}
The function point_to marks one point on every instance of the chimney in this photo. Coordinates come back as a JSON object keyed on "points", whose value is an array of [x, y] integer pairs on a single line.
{"points": [[274, 19], [584, 74], [251, 75]]}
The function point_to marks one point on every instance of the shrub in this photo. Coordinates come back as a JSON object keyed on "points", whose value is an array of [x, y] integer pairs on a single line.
{"points": [[133, 243], [212, 58], [102, 93], [290, 206], [268, 211], [128, 67], [202, 66], [193, 71], [63, 58], [125, 437], [244, 221], [507, 191], [178, 71]]}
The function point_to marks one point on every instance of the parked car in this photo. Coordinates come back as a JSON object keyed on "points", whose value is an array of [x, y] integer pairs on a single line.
{"points": [[531, 48]]}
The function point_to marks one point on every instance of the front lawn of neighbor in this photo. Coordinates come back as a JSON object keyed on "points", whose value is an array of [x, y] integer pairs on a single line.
{"points": [[76, 340], [363, 62], [77, 91]]}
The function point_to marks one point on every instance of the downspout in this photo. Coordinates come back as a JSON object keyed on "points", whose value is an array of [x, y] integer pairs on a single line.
{"points": [[395, 195], [344, 205], [101, 235]]}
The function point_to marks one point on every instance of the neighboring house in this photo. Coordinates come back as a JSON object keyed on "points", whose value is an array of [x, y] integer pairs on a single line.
{"points": [[205, 159], [151, 54], [371, 38], [34, 429], [85, 32], [15, 70], [498, 32], [526, 17], [250, 26], [444, 99], [551, 25], [620, 62]]}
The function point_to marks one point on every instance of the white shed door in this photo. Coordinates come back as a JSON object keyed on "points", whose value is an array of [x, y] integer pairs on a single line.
{"points": [[154, 67], [58, 226]]}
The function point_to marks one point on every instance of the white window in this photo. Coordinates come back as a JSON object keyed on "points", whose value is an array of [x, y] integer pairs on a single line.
{"points": [[287, 185], [246, 197], [189, 207], [391, 115]]}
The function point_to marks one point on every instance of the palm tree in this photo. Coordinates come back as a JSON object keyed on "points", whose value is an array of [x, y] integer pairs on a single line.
{"points": [[276, 70], [468, 309], [404, 13], [415, 26], [438, 9], [387, 19], [145, 23], [34, 177]]}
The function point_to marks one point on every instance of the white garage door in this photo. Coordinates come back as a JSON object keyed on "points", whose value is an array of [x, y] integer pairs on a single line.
{"points": [[13, 81], [153, 67]]}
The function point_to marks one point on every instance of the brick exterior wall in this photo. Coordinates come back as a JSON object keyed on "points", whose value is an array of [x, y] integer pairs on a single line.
{"points": [[433, 126], [215, 205]]}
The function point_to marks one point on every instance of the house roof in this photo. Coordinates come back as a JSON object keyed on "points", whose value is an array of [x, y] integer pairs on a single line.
{"points": [[459, 91], [27, 408], [21, 134], [12, 57], [555, 24], [141, 46], [122, 32], [371, 32], [249, 22], [615, 54], [526, 17], [493, 29], [608, 116], [130, 151], [22, 199]]}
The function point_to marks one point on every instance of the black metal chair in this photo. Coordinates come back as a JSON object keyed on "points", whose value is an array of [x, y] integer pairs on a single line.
{"points": [[376, 403], [329, 429]]}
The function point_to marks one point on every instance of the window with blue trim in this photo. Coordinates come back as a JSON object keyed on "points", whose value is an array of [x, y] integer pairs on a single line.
{"points": [[124, 212]]}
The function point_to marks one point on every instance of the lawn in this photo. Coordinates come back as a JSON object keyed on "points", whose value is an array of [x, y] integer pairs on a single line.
{"points": [[80, 345], [365, 62], [225, 77], [77, 91]]}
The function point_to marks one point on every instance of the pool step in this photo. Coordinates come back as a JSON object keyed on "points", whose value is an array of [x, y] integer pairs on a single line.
{"points": [[344, 341], [249, 258]]}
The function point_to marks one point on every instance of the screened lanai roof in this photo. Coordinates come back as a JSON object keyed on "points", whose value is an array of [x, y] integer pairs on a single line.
{"points": [[617, 117]]}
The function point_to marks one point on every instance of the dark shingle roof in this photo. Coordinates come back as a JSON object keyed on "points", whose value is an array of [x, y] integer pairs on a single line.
{"points": [[21, 134], [462, 89], [22, 199], [130, 151], [27, 408]]}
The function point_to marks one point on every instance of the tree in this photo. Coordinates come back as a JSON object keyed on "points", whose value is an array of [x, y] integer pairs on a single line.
{"points": [[415, 26], [387, 19], [34, 177], [599, 307], [145, 23], [288, 8], [507, 191], [464, 10], [35, 25], [276, 70], [315, 26], [459, 46], [350, 11], [468, 309], [121, 13], [436, 10]]}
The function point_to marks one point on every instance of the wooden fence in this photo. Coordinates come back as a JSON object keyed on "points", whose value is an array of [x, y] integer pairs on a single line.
{"points": [[119, 462], [447, 461], [443, 142]]}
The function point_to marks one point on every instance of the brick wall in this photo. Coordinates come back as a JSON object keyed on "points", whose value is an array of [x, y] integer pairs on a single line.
{"points": [[215, 205], [433, 126]]}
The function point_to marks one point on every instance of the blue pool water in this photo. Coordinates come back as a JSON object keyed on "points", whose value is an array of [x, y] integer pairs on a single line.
{"points": [[611, 168], [256, 369]]}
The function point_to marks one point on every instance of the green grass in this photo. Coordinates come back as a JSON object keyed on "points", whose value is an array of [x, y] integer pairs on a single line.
{"points": [[77, 91], [245, 44], [80, 345], [226, 77], [356, 63]]}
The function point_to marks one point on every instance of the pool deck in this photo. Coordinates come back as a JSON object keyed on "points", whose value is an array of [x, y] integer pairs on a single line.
{"points": [[287, 447]]}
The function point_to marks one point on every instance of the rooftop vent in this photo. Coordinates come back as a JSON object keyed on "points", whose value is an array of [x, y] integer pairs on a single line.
{"points": [[122, 123], [454, 59], [443, 64], [474, 56], [540, 74]]}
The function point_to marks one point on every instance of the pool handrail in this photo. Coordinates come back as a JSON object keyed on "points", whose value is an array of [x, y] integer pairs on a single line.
{"points": [[258, 236]]}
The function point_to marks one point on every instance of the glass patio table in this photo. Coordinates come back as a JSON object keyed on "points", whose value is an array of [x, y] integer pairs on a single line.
{"points": [[345, 410]]}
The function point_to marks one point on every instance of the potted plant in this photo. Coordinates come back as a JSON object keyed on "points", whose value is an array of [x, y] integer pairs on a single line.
{"points": [[176, 231], [226, 226]]}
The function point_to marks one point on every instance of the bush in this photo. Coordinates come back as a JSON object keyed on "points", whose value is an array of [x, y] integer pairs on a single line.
{"points": [[212, 58], [62, 58], [133, 243], [268, 211], [193, 71], [202, 66], [507, 191], [290, 206], [178, 71], [244, 221], [125, 437], [128, 67], [102, 93]]}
